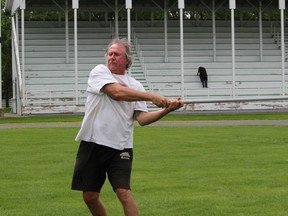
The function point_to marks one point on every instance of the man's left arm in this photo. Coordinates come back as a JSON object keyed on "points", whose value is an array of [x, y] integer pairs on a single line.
{"points": [[146, 118]]}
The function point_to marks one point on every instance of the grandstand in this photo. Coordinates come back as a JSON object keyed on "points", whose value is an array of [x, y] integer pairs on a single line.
{"points": [[52, 85], [253, 77]]}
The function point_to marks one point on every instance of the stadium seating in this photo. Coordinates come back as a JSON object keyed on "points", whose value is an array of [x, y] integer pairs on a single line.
{"points": [[50, 76], [252, 76]]}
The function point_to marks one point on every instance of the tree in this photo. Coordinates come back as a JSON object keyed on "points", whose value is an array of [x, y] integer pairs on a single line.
{"points": [[6, 56]]}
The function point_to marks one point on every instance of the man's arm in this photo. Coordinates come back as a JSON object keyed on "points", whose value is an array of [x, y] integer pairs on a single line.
{"points": [[122, 93], [145, 118]]}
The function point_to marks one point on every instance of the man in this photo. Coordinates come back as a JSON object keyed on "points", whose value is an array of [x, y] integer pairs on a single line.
{"points": [[114, 101]]}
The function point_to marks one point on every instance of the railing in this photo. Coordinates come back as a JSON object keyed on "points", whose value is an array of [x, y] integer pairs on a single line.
{"points": [[141, 59], [64, 98], [55, 97], [276, 35], [219, 92], [243, 99], [260, 91]]}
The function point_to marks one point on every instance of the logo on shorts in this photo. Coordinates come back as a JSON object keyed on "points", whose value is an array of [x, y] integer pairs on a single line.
{"points": [[125, 156]]}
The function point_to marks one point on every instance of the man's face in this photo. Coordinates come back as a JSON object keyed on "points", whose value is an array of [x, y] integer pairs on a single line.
{"points": [[116, 59]]}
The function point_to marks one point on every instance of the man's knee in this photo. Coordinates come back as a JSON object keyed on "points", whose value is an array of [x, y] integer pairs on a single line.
{"points": [[89, 197], [124, 195]]}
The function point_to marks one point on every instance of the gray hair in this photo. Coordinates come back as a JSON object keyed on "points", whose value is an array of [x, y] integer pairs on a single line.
{"points": [[127, 45]]}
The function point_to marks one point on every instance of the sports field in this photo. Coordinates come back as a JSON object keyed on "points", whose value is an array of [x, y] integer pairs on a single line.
{"points": [[183, 170]]}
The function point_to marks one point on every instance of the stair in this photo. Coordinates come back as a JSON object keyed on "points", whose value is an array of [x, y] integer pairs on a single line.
{"points": [[137, 71]]}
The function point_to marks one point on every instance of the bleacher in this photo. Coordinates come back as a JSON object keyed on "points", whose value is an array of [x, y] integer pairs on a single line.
{"points": [[50, 82], [49, 74], [252, 77]]}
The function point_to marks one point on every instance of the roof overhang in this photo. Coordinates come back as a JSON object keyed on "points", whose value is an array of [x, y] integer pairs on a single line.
{"points": [[14, 5]]}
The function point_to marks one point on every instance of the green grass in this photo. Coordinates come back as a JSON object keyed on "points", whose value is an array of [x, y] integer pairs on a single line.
{"points": [[41, 118], [239, 170], [170, 117]]}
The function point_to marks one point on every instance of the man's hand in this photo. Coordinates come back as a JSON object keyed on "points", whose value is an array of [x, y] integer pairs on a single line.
{"points": [[175, 104], [160, 101]]}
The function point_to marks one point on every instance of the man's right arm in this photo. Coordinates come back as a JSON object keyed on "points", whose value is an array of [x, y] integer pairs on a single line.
{"points": [[122, 93]]}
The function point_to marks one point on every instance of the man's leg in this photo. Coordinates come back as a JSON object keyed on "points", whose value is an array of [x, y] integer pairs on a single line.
{"points": [[202, 81], [127, 201], [94, 204]]}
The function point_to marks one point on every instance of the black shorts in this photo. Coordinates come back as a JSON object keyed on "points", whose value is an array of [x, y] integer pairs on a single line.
{"points": [[94, 161]]}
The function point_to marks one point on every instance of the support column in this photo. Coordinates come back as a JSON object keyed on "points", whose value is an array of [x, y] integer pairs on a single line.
{"points": [[282, 8], [260, 31], [75, 6], [232, 5], [22, 8], [165, 31], [181, 7], [19, 82], [128, 7], [67, 32], [214, 30], [116, 19]]}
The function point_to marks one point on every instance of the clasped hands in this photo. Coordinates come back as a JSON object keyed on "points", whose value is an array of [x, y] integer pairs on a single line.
{"points": [[170, 104]]}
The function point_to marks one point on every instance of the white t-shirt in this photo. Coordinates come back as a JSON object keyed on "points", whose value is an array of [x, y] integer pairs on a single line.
{"points": [[107, 121]]}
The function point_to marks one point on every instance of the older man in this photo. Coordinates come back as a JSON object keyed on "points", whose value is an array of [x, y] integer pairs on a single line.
{"points": [[114, 101]]}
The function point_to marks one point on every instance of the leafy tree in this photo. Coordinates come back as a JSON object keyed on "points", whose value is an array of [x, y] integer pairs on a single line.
{"points": [[6, 56]]}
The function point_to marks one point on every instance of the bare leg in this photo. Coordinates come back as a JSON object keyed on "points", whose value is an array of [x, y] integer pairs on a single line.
{"points": [[127, 201], [94, 204]]}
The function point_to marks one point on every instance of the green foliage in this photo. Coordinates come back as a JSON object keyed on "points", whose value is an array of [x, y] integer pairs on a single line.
{"points": [[6, 55], [44, 15]]}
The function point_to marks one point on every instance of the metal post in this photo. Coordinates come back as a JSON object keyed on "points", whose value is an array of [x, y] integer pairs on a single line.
{"points": [[67, 32], [128, 7], [128, 25], [19, 92], [116, 19], [165, 31], [232, 7], [282, 8], [22, 7], [181, 7], [75, 7], [260, 31], [214, 30]]}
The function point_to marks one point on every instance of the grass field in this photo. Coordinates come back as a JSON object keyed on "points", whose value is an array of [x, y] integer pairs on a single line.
{"points": [[235, 170], [171, 117]]}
